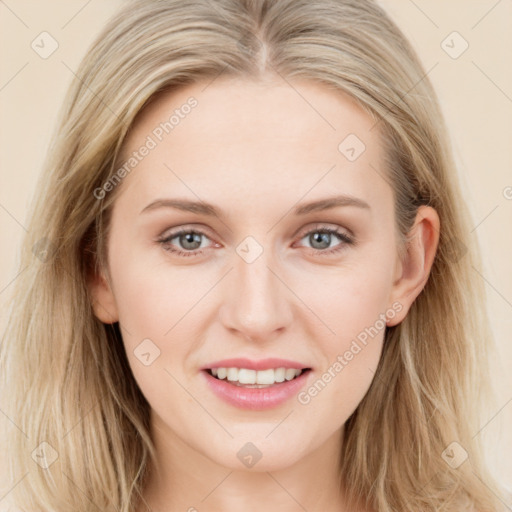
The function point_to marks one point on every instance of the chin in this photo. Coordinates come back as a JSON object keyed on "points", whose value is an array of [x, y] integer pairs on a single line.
{"points": [[259, 455]]}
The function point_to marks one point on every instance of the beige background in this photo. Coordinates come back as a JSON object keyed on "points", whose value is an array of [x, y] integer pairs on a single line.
{"points": [[475, 91]]}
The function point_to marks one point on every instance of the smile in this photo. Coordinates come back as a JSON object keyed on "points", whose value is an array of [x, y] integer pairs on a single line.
{"points": [[254, 395], [255, 379]]}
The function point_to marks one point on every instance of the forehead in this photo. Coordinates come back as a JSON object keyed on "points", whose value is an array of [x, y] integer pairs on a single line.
{"points": [[258, 138], [240, 108]]}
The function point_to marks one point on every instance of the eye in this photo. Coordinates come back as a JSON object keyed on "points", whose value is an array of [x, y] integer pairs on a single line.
{"points": [[190, 242], [321, 238], [187, 240]]}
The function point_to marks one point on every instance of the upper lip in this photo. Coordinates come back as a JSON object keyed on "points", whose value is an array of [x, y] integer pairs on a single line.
{"points": [[262, 364]]}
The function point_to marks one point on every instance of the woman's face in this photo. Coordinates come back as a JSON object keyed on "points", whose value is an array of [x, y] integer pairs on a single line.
{"points": [[287, 258]]}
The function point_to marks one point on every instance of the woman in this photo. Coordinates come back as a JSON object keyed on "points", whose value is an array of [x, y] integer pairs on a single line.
{"points": [[249, 277]]}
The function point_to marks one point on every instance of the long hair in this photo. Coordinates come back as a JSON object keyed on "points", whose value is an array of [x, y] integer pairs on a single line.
{"points": [[77, 434]]}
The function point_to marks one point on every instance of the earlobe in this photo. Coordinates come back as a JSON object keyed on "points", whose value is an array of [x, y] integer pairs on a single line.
{"points": [[103, 300], [415, 267]]}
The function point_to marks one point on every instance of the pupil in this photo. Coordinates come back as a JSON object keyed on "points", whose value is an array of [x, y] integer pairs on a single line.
{"points": [[323, 238], [191, 240]]}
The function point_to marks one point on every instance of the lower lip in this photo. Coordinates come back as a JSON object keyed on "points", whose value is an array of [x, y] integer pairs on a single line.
{"points": [[256, 398]]}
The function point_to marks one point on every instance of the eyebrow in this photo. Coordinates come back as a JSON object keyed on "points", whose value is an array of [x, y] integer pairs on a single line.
{"points": [[200, 207]]}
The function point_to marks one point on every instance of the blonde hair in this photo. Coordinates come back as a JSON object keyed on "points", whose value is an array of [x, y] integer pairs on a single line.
{"points": [[66, 374]]}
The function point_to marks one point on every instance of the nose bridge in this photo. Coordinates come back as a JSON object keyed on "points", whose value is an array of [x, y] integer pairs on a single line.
{"points": [[257, 304]]}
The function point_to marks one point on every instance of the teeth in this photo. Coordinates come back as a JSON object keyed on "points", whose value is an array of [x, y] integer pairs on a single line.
{"points": [[263, 376], [289, 374], [279, 374], [232, 374], [246, 376]]}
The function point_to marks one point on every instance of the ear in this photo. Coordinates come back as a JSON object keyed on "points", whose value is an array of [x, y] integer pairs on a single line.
{"points": [[413, 270], [104, 303]]}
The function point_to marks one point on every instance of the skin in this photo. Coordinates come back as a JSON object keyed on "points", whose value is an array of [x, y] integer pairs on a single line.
{"points": [[255, 151]]}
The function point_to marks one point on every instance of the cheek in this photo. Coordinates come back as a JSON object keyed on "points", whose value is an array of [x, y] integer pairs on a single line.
{"points": [[346, 300], [352, 304], [153, 297], [350, 356], [155, 303], [156, 312]]}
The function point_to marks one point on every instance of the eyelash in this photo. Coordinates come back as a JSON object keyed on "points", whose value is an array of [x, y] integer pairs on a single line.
{"points": [[347, 240]]}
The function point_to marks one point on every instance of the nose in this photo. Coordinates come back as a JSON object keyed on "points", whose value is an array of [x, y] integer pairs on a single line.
{"points": [[257, 304]]}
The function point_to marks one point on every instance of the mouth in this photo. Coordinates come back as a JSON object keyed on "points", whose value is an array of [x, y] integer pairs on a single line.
{"points": [[257, 390], [249, 378]]}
